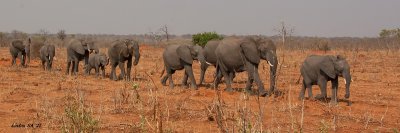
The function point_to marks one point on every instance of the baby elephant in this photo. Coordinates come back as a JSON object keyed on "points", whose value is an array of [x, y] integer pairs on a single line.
{"points": [[97, 61], [47, 53]]}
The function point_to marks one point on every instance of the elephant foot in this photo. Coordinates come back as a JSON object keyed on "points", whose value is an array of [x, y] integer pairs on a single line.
{"points": [[263, 93], [320, 97], [228, 89], [333, 103]]}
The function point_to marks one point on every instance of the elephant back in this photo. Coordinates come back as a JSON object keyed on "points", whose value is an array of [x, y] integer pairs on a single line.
{"points": [[18, 44]]}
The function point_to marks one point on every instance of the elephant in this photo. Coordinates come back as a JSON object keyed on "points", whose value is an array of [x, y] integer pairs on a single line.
{"points": [[78, 50], [18, 48], [97, 61], [120, 52], [319, 69], [178, 57], [47, 53], [245, 54]]}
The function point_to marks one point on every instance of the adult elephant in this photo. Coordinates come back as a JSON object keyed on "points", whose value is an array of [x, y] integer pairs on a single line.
{"points": [[178, 57], [238, 55], [120, 52], [318, 70], [78, 50], [18, 47], [47, 53]]}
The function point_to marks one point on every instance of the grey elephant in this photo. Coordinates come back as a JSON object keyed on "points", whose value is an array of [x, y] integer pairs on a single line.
{"points": [[318, 70], [47, 53], [178, 57], [18, 48], [79, 50], [245, 54], [122, 51], [97, 61]]}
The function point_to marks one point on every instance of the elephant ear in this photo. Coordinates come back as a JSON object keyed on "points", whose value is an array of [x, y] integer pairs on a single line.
{"points": [[183, 52], [328, 68], [250, 51], [79, 48]]}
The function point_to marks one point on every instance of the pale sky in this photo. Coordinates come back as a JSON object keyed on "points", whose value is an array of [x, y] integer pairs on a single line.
{"points": [[325, 18]]}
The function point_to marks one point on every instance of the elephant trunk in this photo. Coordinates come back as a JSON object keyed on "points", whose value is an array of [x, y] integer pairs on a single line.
{"points": [[273, 62], [347, 77], [137, 56]]}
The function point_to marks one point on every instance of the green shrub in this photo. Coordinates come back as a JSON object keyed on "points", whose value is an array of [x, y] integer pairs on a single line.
{"points": [[201, 39], [78, 117]]}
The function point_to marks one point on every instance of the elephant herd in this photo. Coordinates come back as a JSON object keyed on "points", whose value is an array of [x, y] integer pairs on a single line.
{"points": [[229, 56]]}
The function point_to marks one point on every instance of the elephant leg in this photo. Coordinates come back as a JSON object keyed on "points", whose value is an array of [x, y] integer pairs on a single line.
{"points": [[122, 68], [128, 69], [68, 66], [13, 61], [204, 67], [227, 81], [97, 71], [254, 70], [322, 86], [217, 78], [302, 91], [185, 78], [189, 71], [164, 79], [113, 75], [310, 94], [103, 72], [43, 65], [76, 64], [171, 82], [249, 82], [22, 58], [335, 84]]}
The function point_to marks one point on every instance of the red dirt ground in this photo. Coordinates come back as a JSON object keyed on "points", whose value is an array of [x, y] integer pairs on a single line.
{"points": [[33, 96]]}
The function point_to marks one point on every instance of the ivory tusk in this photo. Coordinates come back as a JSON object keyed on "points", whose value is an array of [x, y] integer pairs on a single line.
{"points": [[270, 64], [208, 63], [344, 81]]}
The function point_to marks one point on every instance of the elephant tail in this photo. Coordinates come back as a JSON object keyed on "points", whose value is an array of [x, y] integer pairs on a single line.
{"points": [[298, 79]]}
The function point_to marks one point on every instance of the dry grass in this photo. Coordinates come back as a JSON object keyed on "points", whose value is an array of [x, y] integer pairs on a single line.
{"points": [[30, 95]]}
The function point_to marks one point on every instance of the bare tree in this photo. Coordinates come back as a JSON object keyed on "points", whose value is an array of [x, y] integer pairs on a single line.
{"points": [[43, 34], [164, 29], [61, 35]]}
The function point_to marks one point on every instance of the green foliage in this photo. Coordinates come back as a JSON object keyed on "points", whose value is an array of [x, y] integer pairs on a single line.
{"points": [[201, 39], [79, 118], [390, 33]]}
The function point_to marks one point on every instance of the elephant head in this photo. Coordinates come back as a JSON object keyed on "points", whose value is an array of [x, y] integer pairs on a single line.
{"points": [[188, 53], [103, 60], [132, 48], [257, 48], [334, 66]]}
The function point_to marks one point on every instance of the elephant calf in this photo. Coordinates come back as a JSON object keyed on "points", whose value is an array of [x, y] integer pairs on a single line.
{"points": [[318, 70], [78, 50], [178, 57], [97, 61], [18, 48], [47, 53]]}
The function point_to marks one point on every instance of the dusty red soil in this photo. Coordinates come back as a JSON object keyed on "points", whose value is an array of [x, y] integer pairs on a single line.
{"points": [[33, 96]]}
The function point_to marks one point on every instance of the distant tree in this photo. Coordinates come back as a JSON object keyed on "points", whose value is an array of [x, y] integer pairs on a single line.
{"points": [[201, 39], [15, 34], [390, 33], [61, 35], [43, 34], [164, 29]]}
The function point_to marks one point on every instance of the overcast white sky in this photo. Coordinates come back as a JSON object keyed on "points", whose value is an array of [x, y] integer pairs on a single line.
{"points": [[328, 18]]}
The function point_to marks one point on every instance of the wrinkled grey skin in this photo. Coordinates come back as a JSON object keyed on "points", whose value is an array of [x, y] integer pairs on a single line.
{"points": [[18, 48], [238, 55], [209, 56], [47, 53], [122, 51], [97, 61], [178, 57], [78, 50], [318, 70]]}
